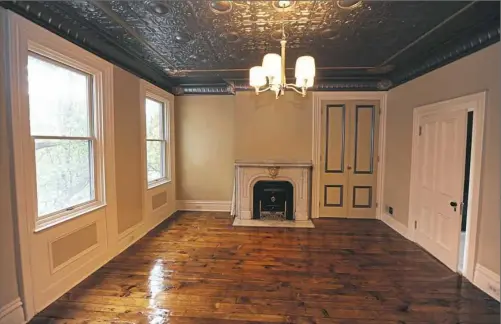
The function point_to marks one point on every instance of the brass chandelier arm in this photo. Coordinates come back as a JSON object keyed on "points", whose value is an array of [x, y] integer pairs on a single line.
{"points": [[296, 89]]}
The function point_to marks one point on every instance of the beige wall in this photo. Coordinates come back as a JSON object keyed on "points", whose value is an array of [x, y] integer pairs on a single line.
{"points": [[474, 73], [128, 166], [205, 155], [267, 128], [214, 131], [8, 281]]}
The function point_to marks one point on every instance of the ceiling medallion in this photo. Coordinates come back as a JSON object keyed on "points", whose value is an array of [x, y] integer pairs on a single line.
{"points": [[271, 74], [231, 37], [283, 5], [329, 34], [158, 7], [348, 4], [221, 7]]}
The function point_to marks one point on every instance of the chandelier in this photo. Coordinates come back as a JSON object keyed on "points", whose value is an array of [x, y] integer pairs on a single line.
{"points": [[271, 74]]}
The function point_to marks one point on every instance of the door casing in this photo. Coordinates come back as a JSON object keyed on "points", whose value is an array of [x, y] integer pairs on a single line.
{"points": [[475, 103]]}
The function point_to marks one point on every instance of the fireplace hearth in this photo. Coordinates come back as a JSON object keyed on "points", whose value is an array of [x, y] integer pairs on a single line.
{"points": [[273, 200]]}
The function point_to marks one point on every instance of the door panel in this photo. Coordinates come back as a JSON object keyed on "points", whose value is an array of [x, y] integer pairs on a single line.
{"points": [[441, 168], [334, 182], [363, 159], [348, 159]]}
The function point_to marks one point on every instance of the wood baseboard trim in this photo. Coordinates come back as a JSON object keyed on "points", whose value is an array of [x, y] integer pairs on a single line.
{"points": [[12, 313], [487, 280], [394, 224], [204, 205]]}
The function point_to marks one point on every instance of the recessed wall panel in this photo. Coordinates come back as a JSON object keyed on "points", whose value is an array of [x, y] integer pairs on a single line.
{"points": [[67, 247], [159, 200]]}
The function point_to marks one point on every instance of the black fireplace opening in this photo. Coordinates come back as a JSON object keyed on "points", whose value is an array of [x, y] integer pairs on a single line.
{"points": [[273, 200]]}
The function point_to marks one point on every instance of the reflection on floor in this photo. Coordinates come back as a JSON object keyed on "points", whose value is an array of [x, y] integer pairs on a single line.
{"points": [[461, 251], [198, 268]]}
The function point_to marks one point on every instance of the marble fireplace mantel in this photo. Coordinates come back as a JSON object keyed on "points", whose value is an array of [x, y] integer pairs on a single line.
{"points": [[247, 173]]}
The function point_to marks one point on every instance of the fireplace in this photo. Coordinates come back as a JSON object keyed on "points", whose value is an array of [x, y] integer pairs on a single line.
{"points": [[273, 200], [266, 193]]}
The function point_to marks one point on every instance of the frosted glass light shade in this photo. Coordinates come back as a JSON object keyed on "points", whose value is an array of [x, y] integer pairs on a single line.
{"points": [[302, 82], [305, 67], [272, 65], [257, 76]]}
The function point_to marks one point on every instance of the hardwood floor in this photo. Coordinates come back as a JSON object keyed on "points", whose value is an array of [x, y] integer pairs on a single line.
{"points": [[197, 268]]}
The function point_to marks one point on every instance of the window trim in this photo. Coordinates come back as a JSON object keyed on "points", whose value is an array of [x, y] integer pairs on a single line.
{"points": [[96, 138], [153, 93]]}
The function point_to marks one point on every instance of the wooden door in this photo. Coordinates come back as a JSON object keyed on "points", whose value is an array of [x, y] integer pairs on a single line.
{"points": [[334, 160], [348, 159], [441, 149], [362, 167]]}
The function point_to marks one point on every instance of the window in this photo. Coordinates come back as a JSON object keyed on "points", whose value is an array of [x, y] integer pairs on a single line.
{"points": [[156, 141], [62, 132]]}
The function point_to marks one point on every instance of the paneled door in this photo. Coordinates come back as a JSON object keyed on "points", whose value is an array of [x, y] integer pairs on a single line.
{"points": [[349, 159], [441, 158]]}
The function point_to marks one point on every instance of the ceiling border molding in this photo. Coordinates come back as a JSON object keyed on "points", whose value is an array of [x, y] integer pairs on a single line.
{"points": [[461, 49]]}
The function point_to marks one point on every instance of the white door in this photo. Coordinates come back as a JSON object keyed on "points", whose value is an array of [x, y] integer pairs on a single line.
{"points": [[441, 156]]}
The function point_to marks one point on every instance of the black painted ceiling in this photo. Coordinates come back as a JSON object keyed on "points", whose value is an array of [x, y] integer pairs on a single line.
{"points": [[200, 46]]}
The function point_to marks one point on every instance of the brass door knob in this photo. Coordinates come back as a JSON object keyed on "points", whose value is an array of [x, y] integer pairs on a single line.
{"points": [[348, 167]]}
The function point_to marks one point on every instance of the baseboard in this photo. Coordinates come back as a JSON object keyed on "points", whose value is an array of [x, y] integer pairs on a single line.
{"points": [[204, 205], [486, 280], [394, 224], [12, 313]]}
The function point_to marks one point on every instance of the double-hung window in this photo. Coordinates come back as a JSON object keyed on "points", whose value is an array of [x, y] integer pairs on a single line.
{"points": [[62, 129], [157, 144]]}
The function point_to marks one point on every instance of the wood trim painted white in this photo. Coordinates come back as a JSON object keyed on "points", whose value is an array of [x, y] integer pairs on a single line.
{"points": [[394, 224], [204, 205], [12, 313], [317, 98], [487, 280], [475, 102]]}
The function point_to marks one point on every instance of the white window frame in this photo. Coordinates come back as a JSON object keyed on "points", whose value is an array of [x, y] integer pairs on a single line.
{"points": [[166, 140], [100, 74], [149, 91]]}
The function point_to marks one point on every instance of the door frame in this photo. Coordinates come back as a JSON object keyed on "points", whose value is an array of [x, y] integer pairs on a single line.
{"points": [[476, 103], [317, 98]]}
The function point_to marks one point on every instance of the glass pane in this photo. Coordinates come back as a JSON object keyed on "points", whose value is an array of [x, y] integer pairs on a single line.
{"points": [[64, 174], [154, 119], [155, 160], [58, 99]]}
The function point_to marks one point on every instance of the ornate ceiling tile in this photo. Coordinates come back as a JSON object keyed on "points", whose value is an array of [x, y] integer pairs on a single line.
{"points": [[211, 44]]}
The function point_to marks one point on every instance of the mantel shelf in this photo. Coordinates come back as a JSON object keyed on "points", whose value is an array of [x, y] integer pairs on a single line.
{"points": [[274, 163]]}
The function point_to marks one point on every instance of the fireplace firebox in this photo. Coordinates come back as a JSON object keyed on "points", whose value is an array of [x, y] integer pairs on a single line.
{"points": [[273, 200]]}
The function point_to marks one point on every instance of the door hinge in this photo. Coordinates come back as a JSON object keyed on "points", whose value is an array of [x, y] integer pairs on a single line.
{"points": [[415, 224], [380, 111], [378, 158], [377, 205], [420, 130]]}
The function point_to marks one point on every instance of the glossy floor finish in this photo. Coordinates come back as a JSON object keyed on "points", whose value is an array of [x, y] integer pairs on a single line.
{"points": [[198, 268]]}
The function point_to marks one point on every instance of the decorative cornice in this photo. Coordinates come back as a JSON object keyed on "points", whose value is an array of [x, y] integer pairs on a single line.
{"points": [[460, 49]]}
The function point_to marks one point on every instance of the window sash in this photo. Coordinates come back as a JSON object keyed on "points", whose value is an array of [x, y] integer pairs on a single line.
{"points": [[93, 179], [164, 140], [91, 138], [91, 100], [163, 161]]}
